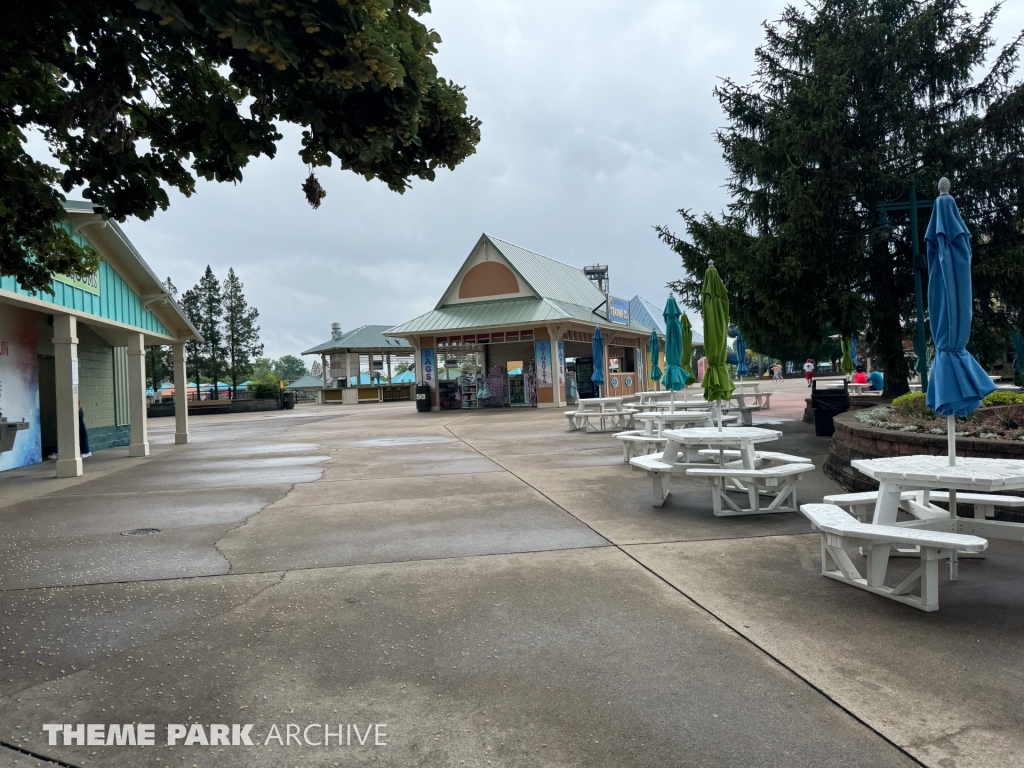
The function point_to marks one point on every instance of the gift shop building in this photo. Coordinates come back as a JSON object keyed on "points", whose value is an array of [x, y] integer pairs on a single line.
{"points": [[515, 329]]}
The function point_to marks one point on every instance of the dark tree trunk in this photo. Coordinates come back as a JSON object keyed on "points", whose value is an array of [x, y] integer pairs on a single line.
{"points": [[885, 323]]}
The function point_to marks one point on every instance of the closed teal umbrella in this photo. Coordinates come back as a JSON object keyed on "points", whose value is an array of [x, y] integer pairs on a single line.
{"points": [[715, 304], [654, 352], [674, 377]]}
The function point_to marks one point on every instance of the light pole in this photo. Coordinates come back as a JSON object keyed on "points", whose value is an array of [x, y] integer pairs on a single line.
{"points": [[911, 204]]}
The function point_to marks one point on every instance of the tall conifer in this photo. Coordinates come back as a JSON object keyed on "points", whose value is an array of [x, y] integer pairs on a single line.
{"points": [[241, 334], [852, 101]]}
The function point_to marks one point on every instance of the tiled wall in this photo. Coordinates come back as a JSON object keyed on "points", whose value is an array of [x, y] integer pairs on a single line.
{"points": [[95, 378]]}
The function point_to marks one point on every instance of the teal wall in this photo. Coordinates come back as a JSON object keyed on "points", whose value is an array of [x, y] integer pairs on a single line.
{"points": [[116, 300]]}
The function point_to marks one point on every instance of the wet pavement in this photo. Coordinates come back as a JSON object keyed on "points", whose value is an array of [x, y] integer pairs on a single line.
{"points": [[493, 588]]}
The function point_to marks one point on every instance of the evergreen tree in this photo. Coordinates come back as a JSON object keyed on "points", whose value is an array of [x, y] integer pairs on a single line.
{"points": [[241, 334], [211, 314], [194, 350], [852, 101], [160, 359]]}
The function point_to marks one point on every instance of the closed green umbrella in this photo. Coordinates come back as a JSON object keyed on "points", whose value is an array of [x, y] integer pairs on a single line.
{"points": [[674, 377], [684, 322], [717, 384], [654, 352], [846, 364]]}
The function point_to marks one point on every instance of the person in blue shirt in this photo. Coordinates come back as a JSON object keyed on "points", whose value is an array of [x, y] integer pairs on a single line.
{"points": [[876, 381]]}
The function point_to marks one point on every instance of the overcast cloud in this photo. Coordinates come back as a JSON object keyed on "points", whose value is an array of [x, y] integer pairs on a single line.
{"points": [[597, 124]]}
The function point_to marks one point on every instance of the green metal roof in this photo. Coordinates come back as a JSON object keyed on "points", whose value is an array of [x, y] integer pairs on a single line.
{"points": [[366, 337], [565, 294], [548, 278], [510, 312], [307, 382]]}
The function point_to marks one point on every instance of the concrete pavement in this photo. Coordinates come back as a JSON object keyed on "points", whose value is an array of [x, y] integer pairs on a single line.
{"points": [[495, 589]]}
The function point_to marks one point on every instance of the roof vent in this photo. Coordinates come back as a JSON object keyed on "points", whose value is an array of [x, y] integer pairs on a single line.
{"points": [[336, 331]]}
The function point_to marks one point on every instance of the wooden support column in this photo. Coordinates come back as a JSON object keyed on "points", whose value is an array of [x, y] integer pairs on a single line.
{"points": [[139, 446], [65, 346], [180, 396]]}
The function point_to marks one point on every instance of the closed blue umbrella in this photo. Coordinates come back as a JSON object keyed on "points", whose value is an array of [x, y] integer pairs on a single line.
{"points": [[654, 352], [958, 383], [741, 355], [597, 352]]}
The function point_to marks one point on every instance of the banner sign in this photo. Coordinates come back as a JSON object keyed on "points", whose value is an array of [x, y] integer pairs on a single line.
{"points": [[618, 310], [427, 356], [561, 363], [542, 360], [89, 283]]}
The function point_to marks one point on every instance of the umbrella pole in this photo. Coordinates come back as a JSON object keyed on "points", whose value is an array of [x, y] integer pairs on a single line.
{"points": [[951, 441]]}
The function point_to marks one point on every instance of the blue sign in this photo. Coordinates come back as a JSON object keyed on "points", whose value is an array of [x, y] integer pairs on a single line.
{"points": [[428, 365], [618, 310]]}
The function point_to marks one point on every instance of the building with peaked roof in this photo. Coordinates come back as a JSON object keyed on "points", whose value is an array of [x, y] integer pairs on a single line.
{"points": [[509, 307], [85, 344], [651, 316], [341, 359]]}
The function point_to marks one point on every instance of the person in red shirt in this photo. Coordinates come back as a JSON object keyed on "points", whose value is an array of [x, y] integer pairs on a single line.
{"points": [[860, 377]]}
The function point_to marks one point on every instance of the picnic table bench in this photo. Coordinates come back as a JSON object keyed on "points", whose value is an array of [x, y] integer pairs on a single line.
{"points": [[842, 533], [601, 409], [682, 452], [753, 388], [643, 441]]}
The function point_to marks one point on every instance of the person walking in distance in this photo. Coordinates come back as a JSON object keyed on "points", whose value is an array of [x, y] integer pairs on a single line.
{"points": [[809, 370], [777, 372]]}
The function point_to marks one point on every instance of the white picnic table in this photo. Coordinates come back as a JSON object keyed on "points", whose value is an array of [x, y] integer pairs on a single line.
{"points": [[742, 438], [601, 407], [858, 389], [897, 474], [655, 423]]}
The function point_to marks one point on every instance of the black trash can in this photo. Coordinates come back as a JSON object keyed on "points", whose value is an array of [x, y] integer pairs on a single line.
{"points": [[288, 400], [423, 397], [827, 403]]}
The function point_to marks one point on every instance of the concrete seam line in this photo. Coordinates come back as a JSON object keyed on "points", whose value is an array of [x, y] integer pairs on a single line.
{"points": [[36, 755], [711, 613], [302, 569]]}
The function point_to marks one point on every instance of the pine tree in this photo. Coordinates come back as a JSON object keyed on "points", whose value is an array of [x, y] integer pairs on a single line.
{"points": [[211, 314], [852, 101], [159, 359], [194, 350], [241, 334]]}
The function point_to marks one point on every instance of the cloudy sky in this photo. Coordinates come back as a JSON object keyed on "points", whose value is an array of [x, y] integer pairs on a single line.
{"points": [[597, 124]]}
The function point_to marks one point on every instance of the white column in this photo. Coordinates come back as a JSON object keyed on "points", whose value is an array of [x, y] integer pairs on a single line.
{"points": [[139, 445], [323, 372], [180, 396], [65, 346]]}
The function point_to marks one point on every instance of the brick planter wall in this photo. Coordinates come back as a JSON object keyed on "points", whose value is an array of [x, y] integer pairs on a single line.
{"points": [[857, 402], [853, 440]]}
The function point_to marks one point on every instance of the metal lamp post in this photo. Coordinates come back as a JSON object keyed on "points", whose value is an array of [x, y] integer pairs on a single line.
{"points": [[912, 204]]}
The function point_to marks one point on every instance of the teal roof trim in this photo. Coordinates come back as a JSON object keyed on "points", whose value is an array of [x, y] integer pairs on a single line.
{"points": [[116, 301]]}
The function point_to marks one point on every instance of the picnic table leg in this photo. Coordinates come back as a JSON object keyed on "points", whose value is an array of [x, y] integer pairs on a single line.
{"points": [[954, 564], [886, 508]]}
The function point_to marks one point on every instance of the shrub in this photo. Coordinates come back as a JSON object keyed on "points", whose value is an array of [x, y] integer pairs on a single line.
{"points": [[1012, 416], [1000, 398], [912, 404], [266, 387]]}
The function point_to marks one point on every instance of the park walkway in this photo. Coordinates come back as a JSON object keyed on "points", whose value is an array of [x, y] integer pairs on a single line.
{"points": [[495, 589]]}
